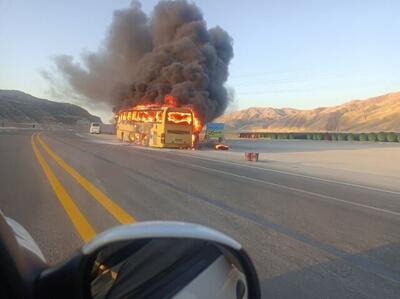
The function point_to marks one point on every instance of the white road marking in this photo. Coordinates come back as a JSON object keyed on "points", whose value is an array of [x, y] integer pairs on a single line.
{"points": [[249, 166], [286, 187], [92, 139], [80, 135], [293, 174]]}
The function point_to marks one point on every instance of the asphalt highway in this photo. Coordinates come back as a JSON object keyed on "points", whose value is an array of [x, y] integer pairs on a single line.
{"points": [[308, 238]]}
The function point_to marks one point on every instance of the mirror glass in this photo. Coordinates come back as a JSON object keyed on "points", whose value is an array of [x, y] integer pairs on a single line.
{"points": [[167, 268]]}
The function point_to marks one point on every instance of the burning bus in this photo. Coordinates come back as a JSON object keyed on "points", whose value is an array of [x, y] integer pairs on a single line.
{"points": [[144, 58], [159, 125]]}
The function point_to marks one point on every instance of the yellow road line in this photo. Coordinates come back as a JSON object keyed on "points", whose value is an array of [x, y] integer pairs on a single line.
{"points": [[82, 226], [115, 210]]}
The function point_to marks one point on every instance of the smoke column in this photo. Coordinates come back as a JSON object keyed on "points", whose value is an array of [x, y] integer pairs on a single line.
{"points": [[143, 58]]}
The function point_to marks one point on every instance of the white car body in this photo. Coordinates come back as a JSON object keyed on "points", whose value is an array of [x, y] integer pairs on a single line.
{"points": [[218, 281], [94, 128]]}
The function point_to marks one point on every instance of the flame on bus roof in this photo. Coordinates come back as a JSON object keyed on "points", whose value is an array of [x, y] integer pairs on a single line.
{"points": [[177, 117]]}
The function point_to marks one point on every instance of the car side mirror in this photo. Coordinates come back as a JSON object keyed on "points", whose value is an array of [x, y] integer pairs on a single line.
{"points": [[155, 260]]}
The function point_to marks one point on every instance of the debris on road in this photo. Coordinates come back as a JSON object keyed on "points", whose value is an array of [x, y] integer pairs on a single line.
{"points": [[251, 156], [221, 147]]}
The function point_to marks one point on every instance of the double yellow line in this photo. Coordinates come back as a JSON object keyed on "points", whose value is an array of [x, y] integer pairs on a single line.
{"points": [[81, 224]]}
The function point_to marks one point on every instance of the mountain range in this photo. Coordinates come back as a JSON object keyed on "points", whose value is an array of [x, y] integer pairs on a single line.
{"points": [[19, 107], [381, 113]]}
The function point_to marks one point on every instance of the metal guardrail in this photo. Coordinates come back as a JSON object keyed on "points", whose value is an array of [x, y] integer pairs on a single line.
{"points": [[332, 136]]}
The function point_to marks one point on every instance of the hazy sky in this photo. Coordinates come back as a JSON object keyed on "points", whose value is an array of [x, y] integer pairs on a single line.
{"points": [[297, 53]]}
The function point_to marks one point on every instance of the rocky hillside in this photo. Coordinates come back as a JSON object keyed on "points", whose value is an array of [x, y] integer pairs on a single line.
{"points": [[375, 114], [19, 107]]}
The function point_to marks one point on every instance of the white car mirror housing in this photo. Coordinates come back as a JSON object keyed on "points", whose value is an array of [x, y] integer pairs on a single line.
{"points": [[155, 260]]}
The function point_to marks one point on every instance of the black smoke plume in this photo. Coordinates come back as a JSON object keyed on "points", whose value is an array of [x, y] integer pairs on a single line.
{"points": [[146, 57]]}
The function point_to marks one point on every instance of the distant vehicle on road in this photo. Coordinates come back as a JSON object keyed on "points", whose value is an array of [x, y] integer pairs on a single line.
{"points": [[95, 128], [156, 126]]}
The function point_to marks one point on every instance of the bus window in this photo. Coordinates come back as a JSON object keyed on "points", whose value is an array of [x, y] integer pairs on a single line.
{"points": [[150, 116], [153, 116], [146, 116], [175, 117], [129, 115], [139, 116]]}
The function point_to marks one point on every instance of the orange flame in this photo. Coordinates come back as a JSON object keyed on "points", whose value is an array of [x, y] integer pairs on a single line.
{"points": [[180, 117], [197, 126], [170, 100], [142, 113]]}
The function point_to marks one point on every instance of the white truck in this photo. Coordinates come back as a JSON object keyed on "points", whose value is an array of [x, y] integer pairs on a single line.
{"points": [[95, 128]]}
